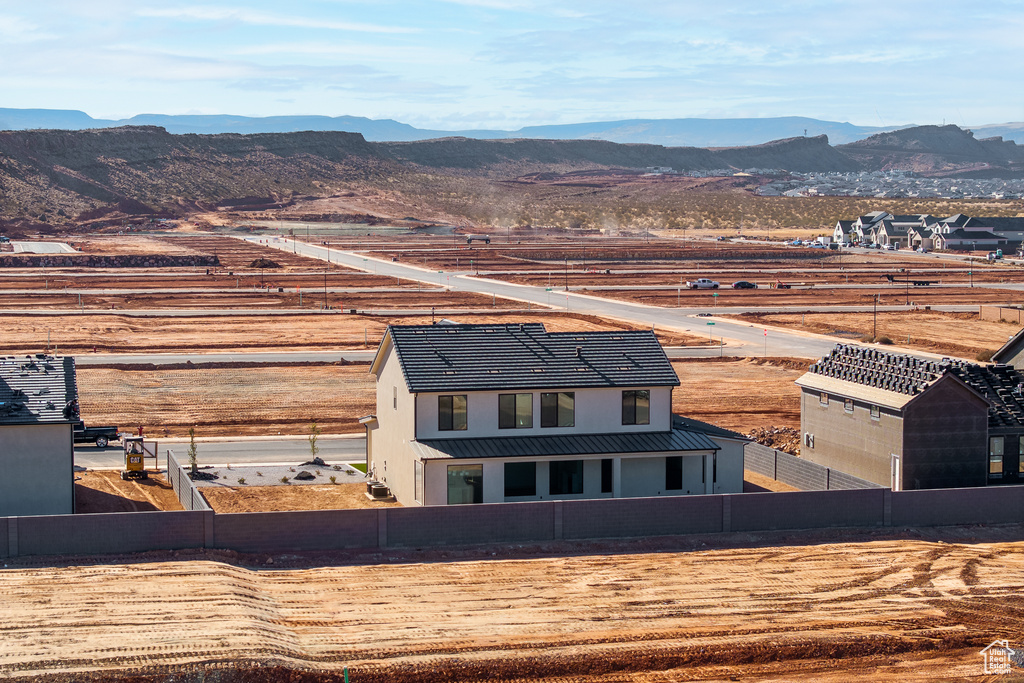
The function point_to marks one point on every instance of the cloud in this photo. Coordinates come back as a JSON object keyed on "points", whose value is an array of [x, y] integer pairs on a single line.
{"points": [[257, 18]]}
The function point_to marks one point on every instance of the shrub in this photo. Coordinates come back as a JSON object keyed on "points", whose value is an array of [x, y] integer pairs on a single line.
{"points": [[284, 480], [241, 480], [984, 356], [334, 479], [259, 474], [867, 339], [885, 340]]}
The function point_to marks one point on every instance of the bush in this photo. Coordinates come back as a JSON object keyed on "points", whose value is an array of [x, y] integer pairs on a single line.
{"points": [[334, 479], [867, 339], [284, 480], [984, 356], [241, 481], [885, 340]]}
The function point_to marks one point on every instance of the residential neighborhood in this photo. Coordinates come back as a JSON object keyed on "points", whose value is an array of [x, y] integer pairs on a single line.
{"points": [[890, 184], [927, 233]]}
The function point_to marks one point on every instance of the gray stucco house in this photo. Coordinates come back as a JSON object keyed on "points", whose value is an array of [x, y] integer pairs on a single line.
{"points": [[505, 413], [913, 423], [38, 406]]}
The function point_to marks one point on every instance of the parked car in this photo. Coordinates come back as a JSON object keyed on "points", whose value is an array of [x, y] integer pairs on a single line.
{"points": [[702, 283], [890, 247], [795, 243], [743, 284], [816, 245]]}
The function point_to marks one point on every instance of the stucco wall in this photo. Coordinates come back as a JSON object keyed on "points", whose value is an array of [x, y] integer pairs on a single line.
{"points": [[851, 442], [36, 476], [389, 456], [945, 438], [598, 411]]}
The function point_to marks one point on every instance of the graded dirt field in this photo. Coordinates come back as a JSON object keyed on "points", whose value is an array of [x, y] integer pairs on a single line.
{"points": [[255, 399], [962, 335], [321, 331], [105, 491], [887, 608], [281, 498]]}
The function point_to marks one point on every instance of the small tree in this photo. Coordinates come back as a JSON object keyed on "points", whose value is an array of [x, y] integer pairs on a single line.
{"points": [[193, 451], [314, 432]]}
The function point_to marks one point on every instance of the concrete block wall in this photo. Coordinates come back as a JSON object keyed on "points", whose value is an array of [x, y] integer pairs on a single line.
{"points": [[803, 474], [938, 507], [760, 459], [184, 488], [1010, 315], [5, 550], [807, 509], [303, 530], [119, 532], [465, 524], [629, 517]]}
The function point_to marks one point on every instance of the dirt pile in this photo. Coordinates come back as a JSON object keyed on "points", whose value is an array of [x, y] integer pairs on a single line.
{"points": [[784, 439]]}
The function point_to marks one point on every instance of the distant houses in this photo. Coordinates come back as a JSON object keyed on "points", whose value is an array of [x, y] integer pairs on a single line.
{"points": [[954, 233]]}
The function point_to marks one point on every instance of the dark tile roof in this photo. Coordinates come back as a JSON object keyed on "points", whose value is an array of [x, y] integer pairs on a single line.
{"points": [[973, 235], [37, 389], [998, 224], [570, 444], [957, 220], [845, 226], [526, 356], [902, 373], [706, 428]]}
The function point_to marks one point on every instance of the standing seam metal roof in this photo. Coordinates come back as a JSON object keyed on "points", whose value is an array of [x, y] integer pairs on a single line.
{"points": [[569, 444], [525, 356], [37, 390]]}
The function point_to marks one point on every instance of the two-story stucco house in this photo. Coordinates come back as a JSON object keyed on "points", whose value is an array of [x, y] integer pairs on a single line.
{"points": [[38, 407], [503, 413]]}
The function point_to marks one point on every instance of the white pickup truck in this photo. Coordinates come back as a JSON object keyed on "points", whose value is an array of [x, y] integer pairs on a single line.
{"points": [[702, 283]]}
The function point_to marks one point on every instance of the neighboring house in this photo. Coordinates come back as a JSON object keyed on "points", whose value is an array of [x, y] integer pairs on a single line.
{"points": [[843, 232], [38, 406], [1012, 352], [970, 240], [499, 413], [921, 238], [911, 423]]}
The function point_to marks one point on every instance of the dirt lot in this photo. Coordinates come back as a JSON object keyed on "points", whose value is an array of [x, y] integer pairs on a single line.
{"points": [[281, 498], [955, 334], [888, 608], [112, 333], [271, 399], [105, 491], [740, 394]]}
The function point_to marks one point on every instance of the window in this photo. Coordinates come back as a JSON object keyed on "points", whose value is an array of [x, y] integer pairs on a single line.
{"points": [[808, 441], [636, 407], [565, 477], [848, 405], [451, 413], [1020, 451], [995, 457], [673, 473], [823, 399], [465, 484], [520, 479], [606, 475], [876, 413], [418, 481], [394, 397], [515, 411], [558, 410]]}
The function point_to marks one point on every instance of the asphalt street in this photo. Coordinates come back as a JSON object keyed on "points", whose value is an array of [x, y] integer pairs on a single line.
{"points": [[220, 452]]}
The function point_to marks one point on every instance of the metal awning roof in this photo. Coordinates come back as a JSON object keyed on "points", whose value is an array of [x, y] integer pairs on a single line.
{"points": [[676, 440]]}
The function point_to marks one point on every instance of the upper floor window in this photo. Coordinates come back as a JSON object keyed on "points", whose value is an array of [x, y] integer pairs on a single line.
{"points": [[848, 405], [823, 398], [558, 410], [636, 407], [451, 413], [515, 411]]}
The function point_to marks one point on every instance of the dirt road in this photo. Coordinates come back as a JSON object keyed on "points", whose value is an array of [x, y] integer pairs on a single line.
{"points": [[891, 610]]}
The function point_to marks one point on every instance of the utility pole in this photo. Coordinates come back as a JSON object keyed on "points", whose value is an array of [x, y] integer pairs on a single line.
{"points": [[567, 274], [874, 313]]}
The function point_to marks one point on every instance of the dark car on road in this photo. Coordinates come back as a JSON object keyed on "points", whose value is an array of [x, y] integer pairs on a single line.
{"points": [[743, 284]]}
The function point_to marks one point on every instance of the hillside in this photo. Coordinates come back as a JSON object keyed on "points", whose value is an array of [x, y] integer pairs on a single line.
{"points": [[944, 149], [49, 175]]}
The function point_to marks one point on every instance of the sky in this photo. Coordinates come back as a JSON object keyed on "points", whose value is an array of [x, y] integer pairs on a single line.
{"points": [[503, 64]]}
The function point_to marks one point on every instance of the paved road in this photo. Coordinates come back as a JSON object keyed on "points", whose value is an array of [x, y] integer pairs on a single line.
{"points": [[225, 451], [42, 248], [775, 342]]}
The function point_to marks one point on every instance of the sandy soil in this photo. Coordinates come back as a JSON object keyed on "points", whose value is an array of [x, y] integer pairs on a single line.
{"points": [[105, 491], [955, 334], [739, 394], [260, 400], [112, 333], [281, 498], [891, 609]]}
